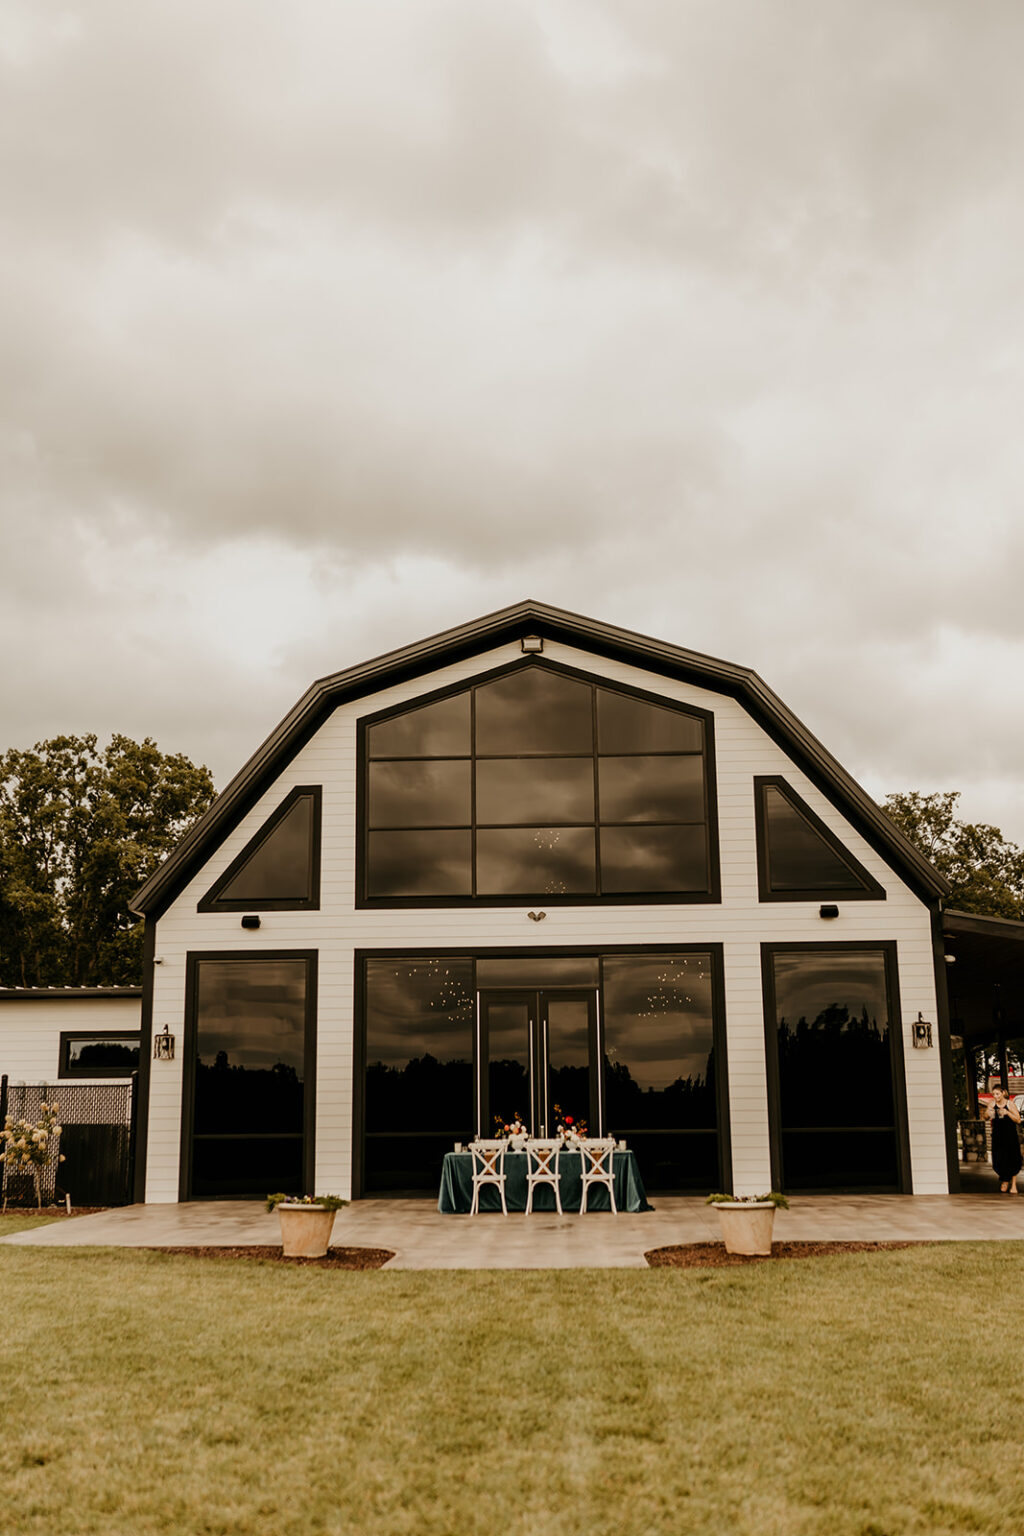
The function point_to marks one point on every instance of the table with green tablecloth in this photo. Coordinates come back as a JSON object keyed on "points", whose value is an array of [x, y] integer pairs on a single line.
{"points": [[456, 1197]]}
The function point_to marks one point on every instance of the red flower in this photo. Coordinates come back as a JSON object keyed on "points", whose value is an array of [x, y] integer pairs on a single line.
{"points": [[568, 1119]]}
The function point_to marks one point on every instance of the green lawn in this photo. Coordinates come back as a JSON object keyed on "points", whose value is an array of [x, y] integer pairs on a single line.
{"points": [[21, 1221], [843, 1396]]}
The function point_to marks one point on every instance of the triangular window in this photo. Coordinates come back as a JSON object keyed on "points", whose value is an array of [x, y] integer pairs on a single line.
{"points": [[798, 857], [279, 868]]}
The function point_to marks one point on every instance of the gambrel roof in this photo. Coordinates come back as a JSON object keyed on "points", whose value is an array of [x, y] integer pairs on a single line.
{"points": [[484, 634]]}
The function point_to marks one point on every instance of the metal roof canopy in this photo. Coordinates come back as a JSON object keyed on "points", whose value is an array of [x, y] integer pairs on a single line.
{"points": [[985, 977]]}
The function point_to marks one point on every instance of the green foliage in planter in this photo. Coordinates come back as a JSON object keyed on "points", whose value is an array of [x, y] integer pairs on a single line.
{"points": [[329, 1202], [779, 1201]]}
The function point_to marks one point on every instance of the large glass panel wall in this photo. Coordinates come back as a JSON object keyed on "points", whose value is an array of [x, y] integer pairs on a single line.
{"points": [[659, 1043], [419, 1069], [626, 1042], [836, 1106], [536, 784], [249, 1080]]}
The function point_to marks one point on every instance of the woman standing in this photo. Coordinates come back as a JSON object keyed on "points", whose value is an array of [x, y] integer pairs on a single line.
{"points": [[1006, 1154]]}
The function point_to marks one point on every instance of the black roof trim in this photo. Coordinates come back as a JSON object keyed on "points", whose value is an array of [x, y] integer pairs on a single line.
{"points": [[497, 629], [58, 994], [955, 922]]}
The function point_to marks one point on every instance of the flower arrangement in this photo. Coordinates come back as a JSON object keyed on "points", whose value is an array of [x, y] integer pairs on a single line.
{"points": [[28, 1146], [328, 1202], [569, 1128], [771, 1198], [513, 1128]]}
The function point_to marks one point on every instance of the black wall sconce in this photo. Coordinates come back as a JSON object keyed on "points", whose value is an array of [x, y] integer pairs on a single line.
{"points": [[536, 917], [250, 920], [828, 909], [922, 1031], [163, 1045]]}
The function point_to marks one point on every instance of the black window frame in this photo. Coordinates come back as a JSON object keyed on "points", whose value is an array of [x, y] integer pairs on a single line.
{"points": [[214, 902], [67, 1071], [190, 1033], [710, 896], [474, 953], [864, 887], [901, 1124]]}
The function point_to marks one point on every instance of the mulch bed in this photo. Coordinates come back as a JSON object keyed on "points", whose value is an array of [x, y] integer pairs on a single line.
{"points": [[337, 1258], [714, 1256]]}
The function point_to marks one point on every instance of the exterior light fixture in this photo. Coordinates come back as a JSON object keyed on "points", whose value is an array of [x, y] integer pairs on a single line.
{"points": [[532, 644], [163, 1045], [828, 909], [950, 959], [536, 917], [922, 1033], [251, 920]]}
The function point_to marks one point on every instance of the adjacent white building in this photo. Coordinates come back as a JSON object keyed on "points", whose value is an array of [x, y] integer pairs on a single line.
{"points": [[539, 859]]}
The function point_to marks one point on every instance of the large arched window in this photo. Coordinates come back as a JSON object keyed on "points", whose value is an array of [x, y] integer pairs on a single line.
{"points": [[538, 784]]}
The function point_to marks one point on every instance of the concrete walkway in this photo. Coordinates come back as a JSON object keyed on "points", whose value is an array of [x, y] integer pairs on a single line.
{"points": [[423, 1239]]}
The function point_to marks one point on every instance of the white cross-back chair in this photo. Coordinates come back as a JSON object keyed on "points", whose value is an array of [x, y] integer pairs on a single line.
{"points": [[597, 1155], [542, 1168], [488, 1168]]}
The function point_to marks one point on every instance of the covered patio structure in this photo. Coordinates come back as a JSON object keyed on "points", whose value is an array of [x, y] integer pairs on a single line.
{"points": [[984, 963]]}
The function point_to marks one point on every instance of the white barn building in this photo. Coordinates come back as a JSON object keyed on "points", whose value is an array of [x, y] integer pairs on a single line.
{"points": [[537, 859]]}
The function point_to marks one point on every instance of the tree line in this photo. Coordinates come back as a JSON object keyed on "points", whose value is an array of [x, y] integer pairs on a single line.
{"points": [[82, 827]]}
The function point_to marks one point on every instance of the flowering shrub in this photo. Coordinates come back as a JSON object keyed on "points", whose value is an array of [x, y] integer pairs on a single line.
{"points": [[28, 1146], [569, 1128], [771, 1198]]}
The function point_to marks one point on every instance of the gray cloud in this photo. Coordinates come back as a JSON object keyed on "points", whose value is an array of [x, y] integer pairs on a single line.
{"points": [[323, 329]]}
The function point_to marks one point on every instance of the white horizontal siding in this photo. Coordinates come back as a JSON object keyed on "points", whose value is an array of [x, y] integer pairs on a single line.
{"points": [[30, 1031], [740, 923]]}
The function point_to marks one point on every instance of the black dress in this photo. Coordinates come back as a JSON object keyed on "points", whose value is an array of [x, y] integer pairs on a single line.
{"points": [[1006, 1155]]}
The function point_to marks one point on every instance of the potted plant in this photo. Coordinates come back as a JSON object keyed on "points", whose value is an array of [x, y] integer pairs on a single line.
{"points": [[306, 1222], [747, 1220]]}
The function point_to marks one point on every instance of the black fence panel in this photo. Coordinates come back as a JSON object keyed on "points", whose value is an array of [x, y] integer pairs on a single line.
{"points": [[95, 1141]]}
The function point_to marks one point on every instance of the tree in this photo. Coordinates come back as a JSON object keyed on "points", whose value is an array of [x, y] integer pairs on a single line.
{"points": [[80, 830], [986, 871]]}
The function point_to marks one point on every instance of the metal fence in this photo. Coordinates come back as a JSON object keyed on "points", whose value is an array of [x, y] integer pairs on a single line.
{"points": [[97, 1142]]}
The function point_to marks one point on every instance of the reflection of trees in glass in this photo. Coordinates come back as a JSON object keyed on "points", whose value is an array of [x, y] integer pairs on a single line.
{"points": [[509, 1083], [108, 1056], [233, 1098], [835, 1069], [686, 1103], [423, 1095]]}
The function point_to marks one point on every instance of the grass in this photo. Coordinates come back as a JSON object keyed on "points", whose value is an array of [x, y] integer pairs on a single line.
{"points": [[23, 1221], [843, 1396]]}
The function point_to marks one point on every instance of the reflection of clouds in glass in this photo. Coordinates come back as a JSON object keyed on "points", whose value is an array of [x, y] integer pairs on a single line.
{"points": [[625, 724], [807, 983], [254, 1011], [278, 870], [419, 863], [419, 794], [548, 860], [533, 710], [417, 1008], [651, 788], [639, 858], [526, 790], [433, 730], [658, 1018]]}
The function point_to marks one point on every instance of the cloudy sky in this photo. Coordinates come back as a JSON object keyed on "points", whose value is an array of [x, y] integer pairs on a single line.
{"points": [[327, 326]]}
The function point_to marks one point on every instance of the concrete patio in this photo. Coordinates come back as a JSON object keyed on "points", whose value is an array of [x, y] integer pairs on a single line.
{"points": [[423, 1239]]}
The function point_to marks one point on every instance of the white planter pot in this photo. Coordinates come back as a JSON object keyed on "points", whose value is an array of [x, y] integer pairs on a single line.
{"points": [[305, 1230], [747, 1227]]}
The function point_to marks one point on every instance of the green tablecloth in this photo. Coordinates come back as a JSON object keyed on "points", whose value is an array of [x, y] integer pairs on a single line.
{"points": [[457, 1185]]}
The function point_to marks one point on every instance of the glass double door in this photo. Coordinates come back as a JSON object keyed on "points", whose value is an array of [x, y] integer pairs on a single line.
{"points": [[538, 1058]]}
